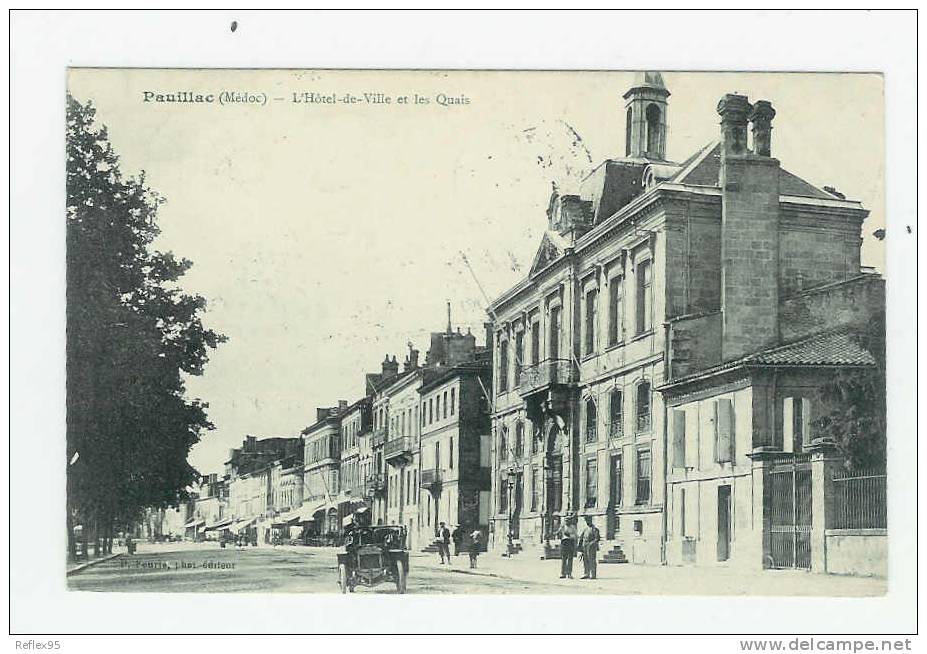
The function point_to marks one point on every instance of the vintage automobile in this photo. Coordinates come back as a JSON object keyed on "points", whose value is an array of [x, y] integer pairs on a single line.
{"points": [[373, 555]]}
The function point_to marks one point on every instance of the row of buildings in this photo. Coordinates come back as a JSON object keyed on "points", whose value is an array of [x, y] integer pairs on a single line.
{"points": [[658, 368], [414, 450]]}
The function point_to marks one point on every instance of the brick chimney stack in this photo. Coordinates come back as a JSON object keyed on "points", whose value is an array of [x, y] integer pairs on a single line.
{"points": [[735, 112], [749, 231], [761, 117], [390, 368]]}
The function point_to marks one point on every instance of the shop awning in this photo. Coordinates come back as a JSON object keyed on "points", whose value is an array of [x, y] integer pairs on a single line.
{"points": [[242, 524], [292, 517], [219, 525], [194, 523], [313, 509]]}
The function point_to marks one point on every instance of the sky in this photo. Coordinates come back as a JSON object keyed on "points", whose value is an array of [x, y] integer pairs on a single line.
{"points": [[326, 236]]}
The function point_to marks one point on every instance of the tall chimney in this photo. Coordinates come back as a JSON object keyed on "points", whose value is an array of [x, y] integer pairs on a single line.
{"points": [[761, 117], [390, 368], [749, 235], [735, 111], [449, 330]]}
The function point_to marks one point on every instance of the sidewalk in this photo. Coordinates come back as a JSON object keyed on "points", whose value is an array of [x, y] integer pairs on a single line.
{"points": [[74, 567], [631, 579]]}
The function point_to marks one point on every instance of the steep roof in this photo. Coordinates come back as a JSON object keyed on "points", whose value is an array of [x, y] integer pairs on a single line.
{"points": [[704, 167]]}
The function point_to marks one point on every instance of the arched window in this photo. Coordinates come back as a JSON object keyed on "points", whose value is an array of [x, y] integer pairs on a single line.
{"points": [[591, 421], [616, 413], [653, 130], [627, 134], [643, 406]]}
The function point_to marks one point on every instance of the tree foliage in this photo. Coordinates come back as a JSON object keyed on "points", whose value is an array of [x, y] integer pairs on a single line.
{"points": [[132, 336], [856, 419]]}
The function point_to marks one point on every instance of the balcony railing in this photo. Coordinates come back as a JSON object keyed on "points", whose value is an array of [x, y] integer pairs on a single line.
{"points": [[615, 429], [431, 477], [379, 437], [398, 447], [546, 373]]}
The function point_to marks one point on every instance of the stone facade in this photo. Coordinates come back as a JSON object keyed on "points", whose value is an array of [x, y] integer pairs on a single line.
{"points": [[673, 269]]}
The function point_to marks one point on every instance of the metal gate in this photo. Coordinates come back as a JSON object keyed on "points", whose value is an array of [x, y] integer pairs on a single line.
{"points": [[790, 513]]}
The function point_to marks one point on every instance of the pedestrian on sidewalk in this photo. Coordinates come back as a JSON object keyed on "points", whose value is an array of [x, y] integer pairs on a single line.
{"points": [[444, 543], [476, 539], [457, 537], [589, 547], [567, 534]]}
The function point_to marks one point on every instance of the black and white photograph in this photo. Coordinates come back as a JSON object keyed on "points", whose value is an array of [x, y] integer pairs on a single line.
{"points": [[395, 333]]}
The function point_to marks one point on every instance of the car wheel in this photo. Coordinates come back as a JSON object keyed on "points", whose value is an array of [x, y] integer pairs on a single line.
{"points": [[400, 578], [343, 577]]}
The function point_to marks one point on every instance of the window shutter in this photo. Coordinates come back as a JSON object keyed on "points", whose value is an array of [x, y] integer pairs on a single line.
{"points": [[805, 423], [692, 430], [679, 439], [725, 430], [788, 433]]}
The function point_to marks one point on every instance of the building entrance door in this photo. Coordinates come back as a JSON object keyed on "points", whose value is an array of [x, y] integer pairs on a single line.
{"points": [[614, 497], [790, 514], [554, 490], [724, 523]]}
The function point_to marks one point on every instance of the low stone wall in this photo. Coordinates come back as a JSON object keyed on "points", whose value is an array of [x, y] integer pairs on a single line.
{"points": [[857, 552]]}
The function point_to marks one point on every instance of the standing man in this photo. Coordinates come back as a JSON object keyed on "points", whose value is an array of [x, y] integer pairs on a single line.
{"points": [[444, 543], [457, 537], [567, 534], [476, 539], [589, 546]]}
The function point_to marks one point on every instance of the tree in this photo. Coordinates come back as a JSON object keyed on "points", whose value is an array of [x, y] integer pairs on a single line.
{"points": [[856, 422], [132, 336]]}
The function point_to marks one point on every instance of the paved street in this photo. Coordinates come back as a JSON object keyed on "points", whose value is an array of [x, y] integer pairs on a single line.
{"points": [[207, 568], [187, 567]]}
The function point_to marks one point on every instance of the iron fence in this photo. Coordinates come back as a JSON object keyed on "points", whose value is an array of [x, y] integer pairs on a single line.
{"points": [[859, 501]]}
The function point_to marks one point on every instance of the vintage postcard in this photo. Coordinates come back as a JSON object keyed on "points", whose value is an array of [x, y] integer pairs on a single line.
{"points": [[476, 332]]}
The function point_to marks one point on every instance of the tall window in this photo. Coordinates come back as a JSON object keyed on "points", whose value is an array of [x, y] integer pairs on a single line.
{"points": [[503, 446], [519, 439], [431, 410], [535, 342], [643, 476], [437, 407], [503, 493], [554, 349], [503, 366], [653, 130], [453, 398], [643, 407], [423, 413], [592, 482], [450, 454], [591, 314], [591, 421], [438, 455], [445, 405], [615, 313], [796, 424], [536, 441], [644, 298], [519, 355], [617, 481], [535, 489], [615, 413]]}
